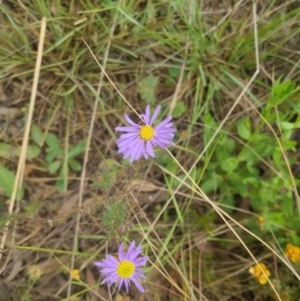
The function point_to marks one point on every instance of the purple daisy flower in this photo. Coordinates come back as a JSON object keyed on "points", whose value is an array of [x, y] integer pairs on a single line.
{"points": [[126, 269], [141, 139]]}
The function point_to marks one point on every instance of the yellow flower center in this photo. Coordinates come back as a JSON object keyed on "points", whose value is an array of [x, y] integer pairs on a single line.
{"points": [[125, 269], [146, 132]]}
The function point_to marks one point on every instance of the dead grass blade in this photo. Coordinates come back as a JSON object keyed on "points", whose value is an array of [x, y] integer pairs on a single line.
{"points": [[21, 163]]}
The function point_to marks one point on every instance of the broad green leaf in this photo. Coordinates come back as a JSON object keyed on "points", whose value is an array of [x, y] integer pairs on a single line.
{"points": [[56, 153], [33, 151], [227, 201], [146, 88], [174, 72], [52, 141], [74, 165], [62, 182], [229, 164], [8, 151], [287, 125], [54, 166], [37, 135], [77, 149], [211, 183], [238, 183], [281, 91], [244, 128], [179, 109], [273, 221], [7, 180]]}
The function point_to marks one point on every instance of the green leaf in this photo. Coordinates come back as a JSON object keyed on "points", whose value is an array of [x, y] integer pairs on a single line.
{"points": [[54, 166], [211, 183], [53, 154], [228, 201], [77, 149], [62, 182], [273, 221], [7, 151], [33, 151], [238, 183], [210, 127], [174, 72], [74, 165], [244, 128], [52, 141], [37, 135], [179, 109], [287, 125], [146, 88], [7, 181], [229, 164], [281, 91]]}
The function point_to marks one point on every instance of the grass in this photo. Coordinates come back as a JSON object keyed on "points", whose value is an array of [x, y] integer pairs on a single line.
{"points": [[224, 199]]}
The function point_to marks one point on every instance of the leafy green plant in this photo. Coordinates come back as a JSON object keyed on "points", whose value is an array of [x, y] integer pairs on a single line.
{"points": [[7, 177], [147, 87], [9, 151], [58, 161], [7, 182], [179, 109], [256, 169]]}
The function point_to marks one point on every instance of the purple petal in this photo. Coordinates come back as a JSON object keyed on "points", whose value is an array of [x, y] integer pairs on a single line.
{"points": [[127, 128], [123, 150], [165, 130], [106, 279], [130, 249], [126, 136], [168, 125], [158, 142], [166, 136], [143, 116], [141, 261], [157, 110], [165, 141], [114, 279], [127, 285], [128, 141], [130, 121], [120, 283], [99, 264], [138, 285], [164, 122], [149, 148], [140, 150], [121, 253], [138, 274], [133, 255], [127, 154], [108, 270], [112, 259], [147, 116], [134, 151], [127, 146]]}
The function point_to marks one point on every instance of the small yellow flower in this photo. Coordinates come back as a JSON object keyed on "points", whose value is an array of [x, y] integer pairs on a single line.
{"points": [[75, 274], [293, 253], [256, 271], [261, 220]]}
